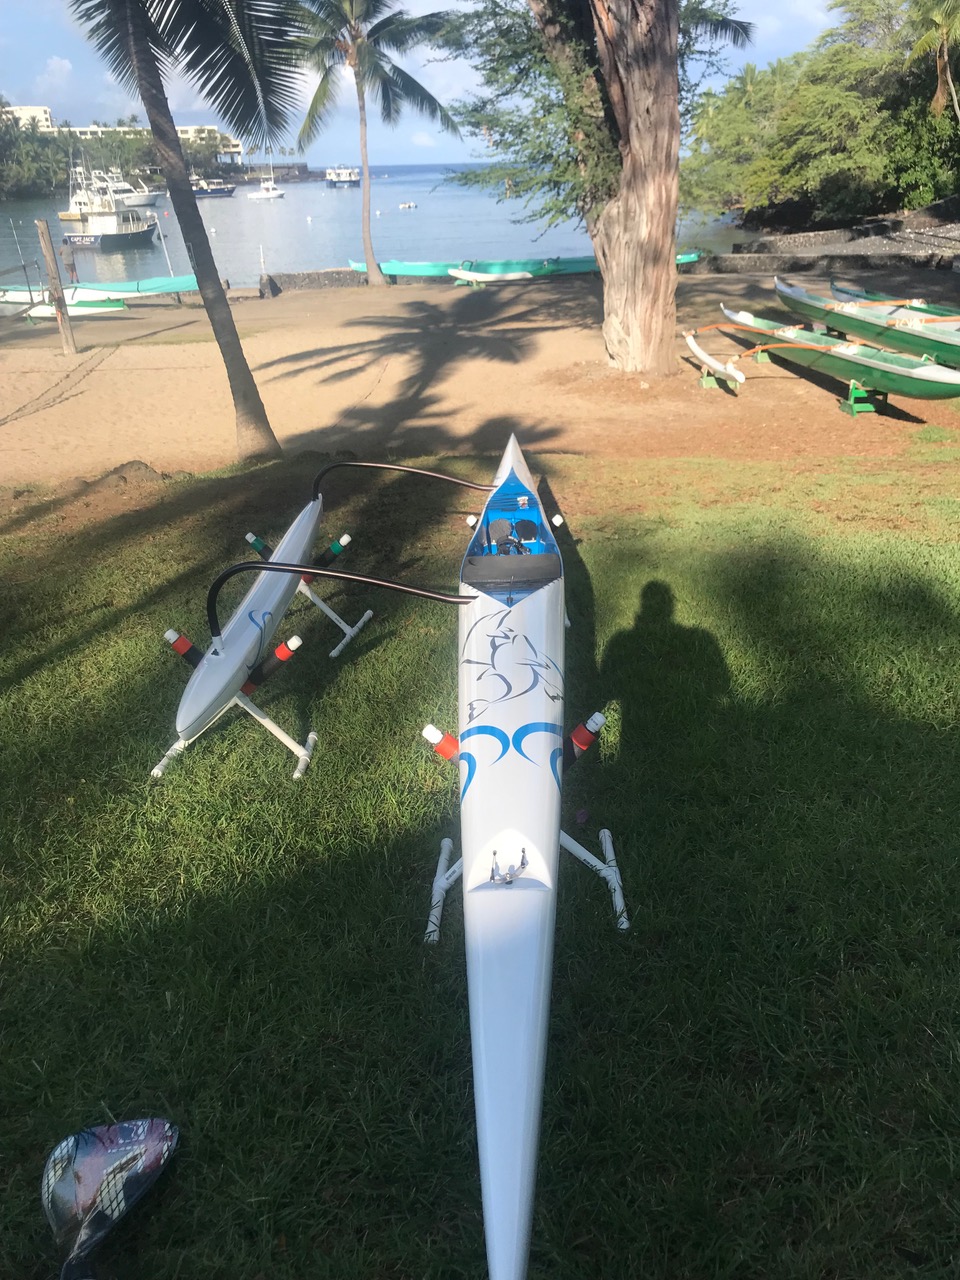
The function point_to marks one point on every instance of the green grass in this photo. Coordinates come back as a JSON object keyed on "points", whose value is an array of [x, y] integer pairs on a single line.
{"points": [[759, 1080]]}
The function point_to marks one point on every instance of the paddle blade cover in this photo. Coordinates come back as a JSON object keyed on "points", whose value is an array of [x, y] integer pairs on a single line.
{"points": [[96, 1176]]}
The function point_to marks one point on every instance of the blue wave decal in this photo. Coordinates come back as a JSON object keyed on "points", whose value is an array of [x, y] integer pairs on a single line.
{"points": [[471, 763], [261, 626], [555, 757], [490, 731], [536, 726]]}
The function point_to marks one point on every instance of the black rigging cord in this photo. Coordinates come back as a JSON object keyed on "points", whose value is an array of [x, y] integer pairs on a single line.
{"points": [[390, 466], [312, 571]]}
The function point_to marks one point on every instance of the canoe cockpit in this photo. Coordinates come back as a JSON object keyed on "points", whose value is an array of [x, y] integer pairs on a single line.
{"points": [[512, 551]]}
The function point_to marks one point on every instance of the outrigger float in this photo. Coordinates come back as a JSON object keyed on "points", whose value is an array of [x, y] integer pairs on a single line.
{"points": [[238, 660]]}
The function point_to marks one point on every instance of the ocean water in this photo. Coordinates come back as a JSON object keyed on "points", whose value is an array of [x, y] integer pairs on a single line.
{"points": [[314, 227]]}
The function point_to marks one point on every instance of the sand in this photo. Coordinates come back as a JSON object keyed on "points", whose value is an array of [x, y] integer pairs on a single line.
{"points": [[418, 370]]}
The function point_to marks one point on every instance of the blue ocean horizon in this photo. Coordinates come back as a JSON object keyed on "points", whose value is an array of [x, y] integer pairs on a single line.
{"points": [[314, 228]]}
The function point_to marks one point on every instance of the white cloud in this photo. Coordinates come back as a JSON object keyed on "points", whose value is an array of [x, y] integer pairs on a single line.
{"points": [[422, 139], [54, 78]]}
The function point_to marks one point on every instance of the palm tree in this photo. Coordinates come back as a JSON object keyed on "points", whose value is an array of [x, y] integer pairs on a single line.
{"points": [[360, 34], [239, 56], [938, 21]]}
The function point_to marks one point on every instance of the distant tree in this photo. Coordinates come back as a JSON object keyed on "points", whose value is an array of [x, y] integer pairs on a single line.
{"points": [[239, 56], [360, 35]]}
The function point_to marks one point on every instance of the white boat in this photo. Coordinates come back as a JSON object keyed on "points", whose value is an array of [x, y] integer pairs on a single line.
{"points": [[511, 700], [96, 220], [125, 195], [268, 189], [342, 175], [246, 637], [212, 188]]}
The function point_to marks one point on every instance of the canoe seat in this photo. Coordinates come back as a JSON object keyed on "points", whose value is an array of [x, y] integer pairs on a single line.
{"points": [[497, 570]]}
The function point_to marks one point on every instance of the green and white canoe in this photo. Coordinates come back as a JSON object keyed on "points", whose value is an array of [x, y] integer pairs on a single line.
{"points": [[875, 370], [887, 325], [852, 293]]}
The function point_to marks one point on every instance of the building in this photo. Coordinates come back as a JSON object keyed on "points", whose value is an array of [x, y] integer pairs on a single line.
{"points": [[227, 148]]}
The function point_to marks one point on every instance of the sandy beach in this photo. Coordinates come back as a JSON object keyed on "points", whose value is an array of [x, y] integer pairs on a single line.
{"points": [[419, 370]]}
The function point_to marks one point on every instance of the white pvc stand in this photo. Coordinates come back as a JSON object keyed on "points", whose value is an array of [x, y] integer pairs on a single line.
{"points": [[348, 631], [303, 751], [607, 870]]}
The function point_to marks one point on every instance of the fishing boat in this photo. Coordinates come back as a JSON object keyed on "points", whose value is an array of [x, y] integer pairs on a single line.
{"points": [[212, 188], [268, 189], [511, 700], [901, 328], [125, 195], [342, 175], [888, 372], [93, 291], [96, 220], [112, 232]]}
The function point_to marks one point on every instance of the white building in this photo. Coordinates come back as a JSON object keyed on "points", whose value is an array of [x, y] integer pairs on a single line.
{"points": [[227, 147]]}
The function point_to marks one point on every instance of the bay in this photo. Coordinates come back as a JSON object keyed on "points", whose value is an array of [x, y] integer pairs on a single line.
{"points": [[315, 227]]}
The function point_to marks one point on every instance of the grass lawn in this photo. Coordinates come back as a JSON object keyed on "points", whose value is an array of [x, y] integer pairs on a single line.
{"points": [[760, 1079]]}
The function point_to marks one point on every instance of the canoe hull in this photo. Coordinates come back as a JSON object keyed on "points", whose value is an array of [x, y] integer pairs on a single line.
{"points": [[887, 372], [246, 637], [905, 333], [511, 699]]}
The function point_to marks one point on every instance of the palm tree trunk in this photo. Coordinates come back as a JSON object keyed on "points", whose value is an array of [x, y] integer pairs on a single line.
{"points": [[374, 274], [949, 79], [255, 438]]}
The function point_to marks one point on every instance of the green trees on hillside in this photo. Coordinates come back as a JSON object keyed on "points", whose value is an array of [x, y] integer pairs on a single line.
{"points": [[840, 131]]}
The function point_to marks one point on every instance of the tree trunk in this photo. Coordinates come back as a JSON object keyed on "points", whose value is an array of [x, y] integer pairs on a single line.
{"points": [[255, 438], [635, 235], [374, 275]]}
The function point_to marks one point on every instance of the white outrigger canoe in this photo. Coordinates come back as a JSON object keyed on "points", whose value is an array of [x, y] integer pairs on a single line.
{"points": [[511, 747], [511, 753]]}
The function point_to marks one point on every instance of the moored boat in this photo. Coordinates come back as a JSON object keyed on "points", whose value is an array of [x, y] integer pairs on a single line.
{"points": [[125, 195], [889, 372], [511, 699], [211, 188], [885, 324], [111, 232], [342, 175]]}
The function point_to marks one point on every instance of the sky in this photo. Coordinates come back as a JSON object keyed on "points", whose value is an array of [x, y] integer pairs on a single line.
{"points": [[45, 61]]}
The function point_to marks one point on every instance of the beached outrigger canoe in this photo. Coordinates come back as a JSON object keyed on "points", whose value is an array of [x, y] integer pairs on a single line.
{"points": [[853, 293], [901, 328], [889, 372]]}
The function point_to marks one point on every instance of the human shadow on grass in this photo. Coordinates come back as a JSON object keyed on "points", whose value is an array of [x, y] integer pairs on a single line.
{"points": [[794, 926]]}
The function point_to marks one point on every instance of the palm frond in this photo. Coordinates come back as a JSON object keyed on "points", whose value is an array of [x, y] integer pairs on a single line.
{"points": [[121, 30], [321, 106], [400, 31], [244, 57], [413, 94]]}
